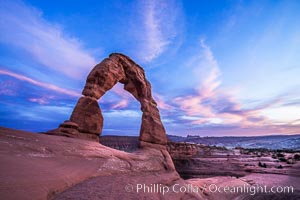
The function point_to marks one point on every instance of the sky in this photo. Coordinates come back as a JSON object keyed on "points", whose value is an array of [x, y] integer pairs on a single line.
{"points": [[217, 68]]}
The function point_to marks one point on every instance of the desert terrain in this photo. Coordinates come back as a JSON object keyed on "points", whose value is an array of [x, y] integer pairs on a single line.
{"points": [[39, 166], [202, 162]]}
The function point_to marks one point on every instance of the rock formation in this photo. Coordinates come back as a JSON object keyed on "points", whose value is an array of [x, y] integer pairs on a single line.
{"points": [[87, 120], [40, 166]]}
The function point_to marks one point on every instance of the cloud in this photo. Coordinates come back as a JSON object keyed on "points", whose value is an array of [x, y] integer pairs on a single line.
{"points": [[42, 100], [122, 114], [194, 104], [122, 104], [8, 88], [282, 114], [24, 27], [211, 82], [40, 84], [160, 22], [119, 90], [210, 104], [161, 104], [242, 131], [125, 96], [43, 112]]}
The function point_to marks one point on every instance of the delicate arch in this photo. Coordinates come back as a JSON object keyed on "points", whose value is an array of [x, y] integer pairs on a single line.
{"points": [[87, 116]]}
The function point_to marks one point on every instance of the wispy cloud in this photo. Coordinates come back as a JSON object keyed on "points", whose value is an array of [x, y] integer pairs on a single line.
{"points": [[24, 27], [8, 88], [43, 112], [160, 20], [41, 100], [211, 82], [213, 105], [193, 104], [161, 103], [123, 113], [125, 96], [40, 84], [119, 90], [214, 110], [122, 104]]}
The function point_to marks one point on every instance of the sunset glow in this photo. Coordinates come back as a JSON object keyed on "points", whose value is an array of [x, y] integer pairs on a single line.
{"points": [[216, 67]]}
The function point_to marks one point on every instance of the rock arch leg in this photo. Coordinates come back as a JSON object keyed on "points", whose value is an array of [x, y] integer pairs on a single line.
{"points": [[88, 116]]}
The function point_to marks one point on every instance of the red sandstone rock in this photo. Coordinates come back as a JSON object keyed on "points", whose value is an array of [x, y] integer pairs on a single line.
{"points": [[39, 166], [88, 116], [117, 68]]}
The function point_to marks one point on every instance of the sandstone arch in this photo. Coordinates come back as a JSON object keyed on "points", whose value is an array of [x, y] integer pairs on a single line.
{"points": [[87, 121]]}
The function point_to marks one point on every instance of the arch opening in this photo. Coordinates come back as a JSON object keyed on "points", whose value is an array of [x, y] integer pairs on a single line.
{"points": [[122, 119]]}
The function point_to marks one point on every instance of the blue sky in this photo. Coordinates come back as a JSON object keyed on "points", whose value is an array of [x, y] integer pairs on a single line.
{"points": [[216, 67]]}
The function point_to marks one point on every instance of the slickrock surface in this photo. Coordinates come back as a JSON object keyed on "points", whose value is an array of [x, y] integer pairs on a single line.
{"points": [[38, 166], [87, 114], [124, 186]]}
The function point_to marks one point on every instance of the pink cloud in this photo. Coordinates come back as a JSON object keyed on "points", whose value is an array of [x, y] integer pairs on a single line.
{"points": [[125, 96], [42, 100], [122, 104], [240, 131], [46, 43], [161, 103], [40, 84], [211, 82], [204, 105], [193, 104], [119, 90], [8, 88]]}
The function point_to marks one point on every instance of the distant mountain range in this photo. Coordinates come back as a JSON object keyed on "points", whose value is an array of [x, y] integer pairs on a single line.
{"points": [[269, 142]]}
